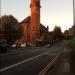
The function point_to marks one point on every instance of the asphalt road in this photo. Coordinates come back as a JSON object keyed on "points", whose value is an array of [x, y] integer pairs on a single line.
{"points": [[27, 62]]}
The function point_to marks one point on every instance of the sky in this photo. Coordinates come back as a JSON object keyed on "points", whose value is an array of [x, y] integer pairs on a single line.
{"points": [[53, 12]]}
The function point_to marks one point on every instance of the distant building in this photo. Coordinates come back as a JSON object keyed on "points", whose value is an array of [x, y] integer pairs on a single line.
{"points": [[49, 37]]}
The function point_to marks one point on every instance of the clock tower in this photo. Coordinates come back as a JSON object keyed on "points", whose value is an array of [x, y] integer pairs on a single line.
{"points": [[35, 20]]}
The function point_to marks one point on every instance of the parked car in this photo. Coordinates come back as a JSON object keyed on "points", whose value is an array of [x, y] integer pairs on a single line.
{"points": [[14, 45], [3, 46], [48, 45], [23, 45]]}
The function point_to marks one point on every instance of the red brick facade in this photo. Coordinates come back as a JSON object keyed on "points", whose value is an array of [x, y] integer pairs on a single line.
{"points": [[26, 31], [31, 28], [35, 20]]}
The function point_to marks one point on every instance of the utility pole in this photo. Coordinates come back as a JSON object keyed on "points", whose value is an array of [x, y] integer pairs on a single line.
{"points": [[73, 28], [73, 12]]}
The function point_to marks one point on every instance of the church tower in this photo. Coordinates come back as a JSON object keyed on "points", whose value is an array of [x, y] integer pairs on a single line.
{"points": [[35, 20]]}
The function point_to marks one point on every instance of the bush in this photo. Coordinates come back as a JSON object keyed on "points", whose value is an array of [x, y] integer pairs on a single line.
{"points": [[72, 44]]}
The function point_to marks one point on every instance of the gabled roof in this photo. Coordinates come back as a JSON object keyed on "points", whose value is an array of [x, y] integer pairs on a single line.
{"points": [[26, 20], [42, 26]]}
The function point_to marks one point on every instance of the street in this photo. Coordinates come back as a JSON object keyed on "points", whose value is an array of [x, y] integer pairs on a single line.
{"points": [[28, 62]]}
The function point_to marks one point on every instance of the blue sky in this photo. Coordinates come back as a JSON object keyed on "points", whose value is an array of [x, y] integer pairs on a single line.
{"points": [[53, 12]]}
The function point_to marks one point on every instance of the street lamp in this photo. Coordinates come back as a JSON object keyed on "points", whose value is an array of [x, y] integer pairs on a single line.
{"points": [[73, 12]]}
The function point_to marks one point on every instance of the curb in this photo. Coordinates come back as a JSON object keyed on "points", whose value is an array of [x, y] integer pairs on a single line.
{"points": [[44, 71]]}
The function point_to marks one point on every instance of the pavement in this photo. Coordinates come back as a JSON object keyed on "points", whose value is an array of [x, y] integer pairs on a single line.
{"points": [[63, 66]]}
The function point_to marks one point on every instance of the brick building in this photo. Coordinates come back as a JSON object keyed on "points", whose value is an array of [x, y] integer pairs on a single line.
{"points": [[31, 28], [26, 31]]}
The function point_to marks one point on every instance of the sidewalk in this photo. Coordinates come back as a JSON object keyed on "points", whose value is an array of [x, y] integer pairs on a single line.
{"points": [[62, 66], [72, 61], [65, 70]]}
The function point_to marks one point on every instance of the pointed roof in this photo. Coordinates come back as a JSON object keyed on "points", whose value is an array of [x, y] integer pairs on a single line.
{"points": [[26, 20]]}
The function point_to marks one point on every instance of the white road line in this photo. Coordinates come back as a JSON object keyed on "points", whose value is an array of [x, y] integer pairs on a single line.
{"points": [[6, 68], [44, 71], [66, 67]]}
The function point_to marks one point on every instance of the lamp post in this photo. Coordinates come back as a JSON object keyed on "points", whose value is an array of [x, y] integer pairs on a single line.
{"points": [[73, 12]]}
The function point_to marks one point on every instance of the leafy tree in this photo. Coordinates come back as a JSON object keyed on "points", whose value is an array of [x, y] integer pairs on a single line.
{"points": [[72, 44], [57, 33], [10, 28]]}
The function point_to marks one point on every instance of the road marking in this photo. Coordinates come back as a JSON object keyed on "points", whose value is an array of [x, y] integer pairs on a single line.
{"points": [[44, 71], [6, 68], [66, 67]]}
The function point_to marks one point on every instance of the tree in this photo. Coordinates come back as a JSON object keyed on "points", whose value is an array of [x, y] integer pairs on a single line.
{"points": [[57, 33], [10, 28], [74, 29], [66, 34]]}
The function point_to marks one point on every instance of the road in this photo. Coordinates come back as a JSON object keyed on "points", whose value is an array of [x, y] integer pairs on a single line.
{"points": [[27, 62]]}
